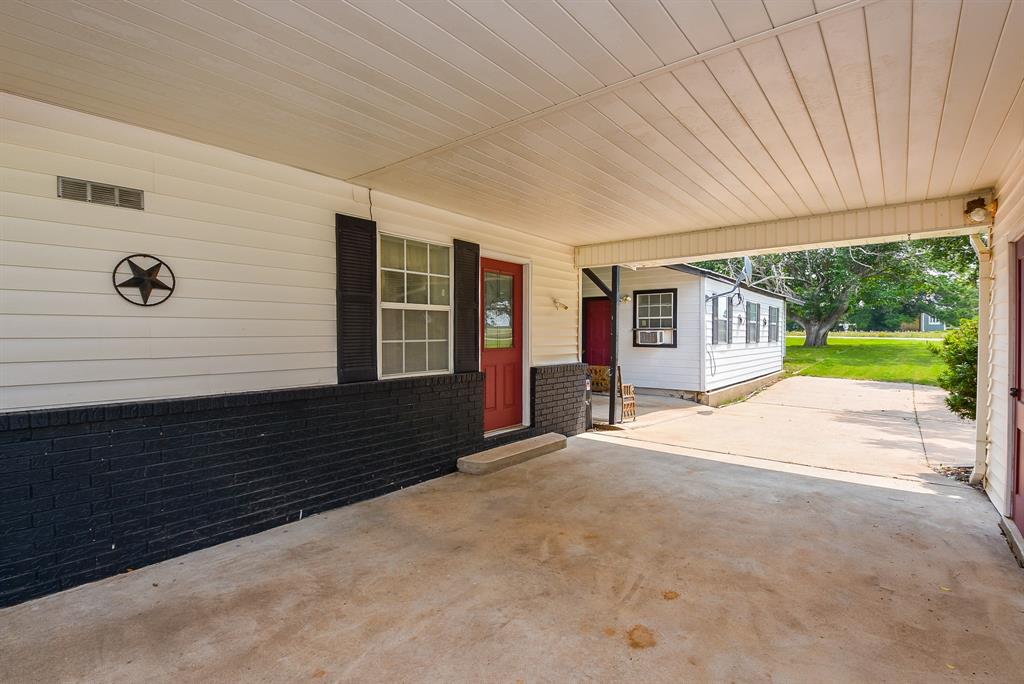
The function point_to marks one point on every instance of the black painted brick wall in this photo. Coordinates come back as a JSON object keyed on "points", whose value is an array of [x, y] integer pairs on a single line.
{"points": [[558, 398], [88, 492]]}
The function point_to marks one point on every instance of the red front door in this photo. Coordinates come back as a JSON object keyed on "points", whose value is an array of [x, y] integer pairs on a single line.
{"points": [[597, 331], [1018, 400], [501, 328]]}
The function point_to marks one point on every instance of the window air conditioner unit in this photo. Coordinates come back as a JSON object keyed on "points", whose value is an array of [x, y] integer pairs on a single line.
{"points": [[652, 337]]}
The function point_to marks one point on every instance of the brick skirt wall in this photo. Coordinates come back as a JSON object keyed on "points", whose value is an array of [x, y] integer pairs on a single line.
{"points": [[89, 492]]}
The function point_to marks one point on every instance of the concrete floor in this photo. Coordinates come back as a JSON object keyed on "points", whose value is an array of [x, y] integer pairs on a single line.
{"points": [[879, 428], [612, 560]]}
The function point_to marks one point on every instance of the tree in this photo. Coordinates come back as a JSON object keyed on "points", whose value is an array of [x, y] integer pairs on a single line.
{"points": [[960, 378], [922, 275]]}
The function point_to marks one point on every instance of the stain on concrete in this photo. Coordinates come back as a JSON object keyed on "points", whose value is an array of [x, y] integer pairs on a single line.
{"points": [[640, 636], [670, 595]]}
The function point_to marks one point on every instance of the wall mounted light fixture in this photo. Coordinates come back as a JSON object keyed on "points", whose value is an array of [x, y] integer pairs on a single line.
{"points": [[559, 305], [978, 211], [626, 299]]}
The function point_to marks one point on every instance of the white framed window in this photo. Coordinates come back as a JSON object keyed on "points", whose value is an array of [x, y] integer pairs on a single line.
{"points": [[654, 318], [753, 323], [415, 307], [773, 324], [721, 319]]}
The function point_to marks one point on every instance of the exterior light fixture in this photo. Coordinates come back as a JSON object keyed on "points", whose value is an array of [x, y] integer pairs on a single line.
{"points": [[559, 305], [625, 299], [978, 211]]}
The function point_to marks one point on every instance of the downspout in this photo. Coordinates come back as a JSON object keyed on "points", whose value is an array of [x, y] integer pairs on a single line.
{"points": [[984, 252]]}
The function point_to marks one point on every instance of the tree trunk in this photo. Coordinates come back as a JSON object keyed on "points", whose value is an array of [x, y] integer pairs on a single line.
{"points": [[816, 334]]}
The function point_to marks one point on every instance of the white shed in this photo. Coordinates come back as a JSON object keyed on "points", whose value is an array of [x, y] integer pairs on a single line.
{"points": [[686, 331]]}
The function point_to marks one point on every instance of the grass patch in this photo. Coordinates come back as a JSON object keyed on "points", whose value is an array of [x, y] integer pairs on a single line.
{"points": [[905, 334], [865, 359]]}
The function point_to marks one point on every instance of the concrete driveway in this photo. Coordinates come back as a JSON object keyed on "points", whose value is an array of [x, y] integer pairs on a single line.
{"points": [[879, 428], [612, 560]]}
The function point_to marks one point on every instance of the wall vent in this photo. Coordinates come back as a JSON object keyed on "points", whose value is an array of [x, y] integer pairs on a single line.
{"points": [[98, 193]]}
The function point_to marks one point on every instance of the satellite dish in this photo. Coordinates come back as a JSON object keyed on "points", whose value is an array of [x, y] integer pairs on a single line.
{"points": [[748, 270]]}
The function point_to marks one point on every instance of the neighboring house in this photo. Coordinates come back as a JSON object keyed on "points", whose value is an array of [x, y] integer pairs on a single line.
{"points": [[928, 323], [680, 333]]}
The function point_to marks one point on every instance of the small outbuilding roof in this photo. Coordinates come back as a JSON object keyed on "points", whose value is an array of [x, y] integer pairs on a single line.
{"points": [[697, 271]]}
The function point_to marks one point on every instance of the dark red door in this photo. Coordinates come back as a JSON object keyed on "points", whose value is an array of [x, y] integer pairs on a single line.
{"points": [[501, 327], [1018, 401], [597, 331]]}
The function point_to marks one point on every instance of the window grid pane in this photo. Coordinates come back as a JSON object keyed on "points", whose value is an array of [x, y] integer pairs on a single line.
{"points": [[415, 280]]}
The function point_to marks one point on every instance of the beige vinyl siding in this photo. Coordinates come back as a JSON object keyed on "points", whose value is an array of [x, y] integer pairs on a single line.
{"points": [[728, 364], [1009, 226], [658, 367], [251, 243]]}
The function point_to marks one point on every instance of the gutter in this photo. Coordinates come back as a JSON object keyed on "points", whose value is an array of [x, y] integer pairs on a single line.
{"points": [[984, 251]]}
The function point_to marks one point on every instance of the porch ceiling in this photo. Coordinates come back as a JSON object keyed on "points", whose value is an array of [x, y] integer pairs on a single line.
{"points": [[576, 120]]}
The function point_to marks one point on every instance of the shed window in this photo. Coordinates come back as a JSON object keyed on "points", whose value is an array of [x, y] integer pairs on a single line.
{"points": [[773, 324], [753, 322], [721, 320], [654, 316], [415, 316]]}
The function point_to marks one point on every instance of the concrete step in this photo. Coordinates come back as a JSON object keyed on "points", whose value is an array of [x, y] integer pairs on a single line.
{"points": [[484, 462]]}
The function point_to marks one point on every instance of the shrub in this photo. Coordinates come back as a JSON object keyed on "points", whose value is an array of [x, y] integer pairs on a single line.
{"points": [[959, 350]]}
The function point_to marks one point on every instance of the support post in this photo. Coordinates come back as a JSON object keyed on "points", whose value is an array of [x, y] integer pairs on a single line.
{"points": [[613, 370], [984, 252]]}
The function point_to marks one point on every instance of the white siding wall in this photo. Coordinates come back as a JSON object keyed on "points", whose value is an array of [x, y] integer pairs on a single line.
{"points": [[659, 368], [1009, 225], [728, 364], [251, 243]]}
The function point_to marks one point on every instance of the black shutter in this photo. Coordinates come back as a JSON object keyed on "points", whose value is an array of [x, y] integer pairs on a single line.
{"points": [[356, 245], [466, 307]]}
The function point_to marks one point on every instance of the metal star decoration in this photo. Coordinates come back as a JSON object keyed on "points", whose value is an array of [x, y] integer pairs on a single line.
{"points": [[146, 280]]}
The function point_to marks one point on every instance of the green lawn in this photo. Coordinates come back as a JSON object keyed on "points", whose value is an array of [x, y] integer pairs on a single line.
{"points": [[931, 334], [865, 359]]}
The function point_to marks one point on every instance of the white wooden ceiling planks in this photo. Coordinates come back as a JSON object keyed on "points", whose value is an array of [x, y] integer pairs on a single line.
{"points": [[578, 120]]}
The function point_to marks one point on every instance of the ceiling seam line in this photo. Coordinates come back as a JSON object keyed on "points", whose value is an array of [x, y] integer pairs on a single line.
{"points": [[685, 154], [874, 104], [711, 212], [668, 68], [842, 112], [732, 144], [307, 56], [746, 122], [697, 139], [370, 66], [981, 97], [198, 84], [945, 97], [785, 131], [554, 171], [671, 182], [1002, 125], [250, 69], [814, 126], [454, 67]]}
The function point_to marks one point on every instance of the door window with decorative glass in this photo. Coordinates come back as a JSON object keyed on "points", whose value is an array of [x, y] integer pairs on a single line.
{"points": [[499, 307], [415, 302]]}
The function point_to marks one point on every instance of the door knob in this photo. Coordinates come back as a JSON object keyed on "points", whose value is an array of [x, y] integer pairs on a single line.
{"points": [[1015, 392]]}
